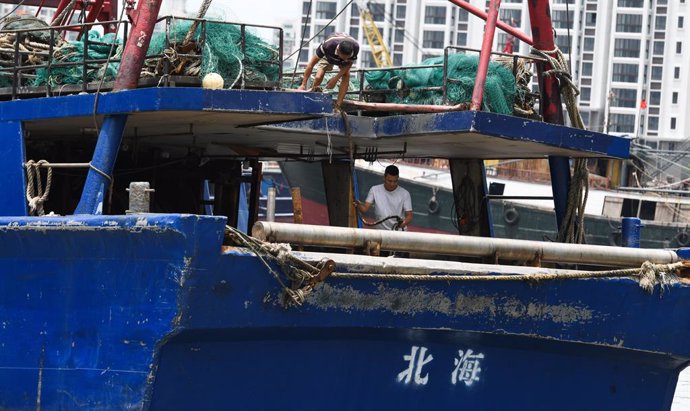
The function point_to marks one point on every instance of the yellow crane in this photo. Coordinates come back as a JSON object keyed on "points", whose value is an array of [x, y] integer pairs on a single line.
{"points": [[378, 48]]}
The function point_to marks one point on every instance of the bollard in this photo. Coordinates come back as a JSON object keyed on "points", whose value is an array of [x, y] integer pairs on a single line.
{"points": [[630, 233]]}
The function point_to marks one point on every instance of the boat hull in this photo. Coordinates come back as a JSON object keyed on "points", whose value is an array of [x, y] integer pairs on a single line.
{"points": [[149, 312]]}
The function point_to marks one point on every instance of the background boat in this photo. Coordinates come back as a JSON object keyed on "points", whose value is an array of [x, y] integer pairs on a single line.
{"points": [[665, 218]]}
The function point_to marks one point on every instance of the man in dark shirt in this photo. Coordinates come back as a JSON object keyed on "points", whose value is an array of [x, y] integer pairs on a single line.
{"points": [[339, 49]]}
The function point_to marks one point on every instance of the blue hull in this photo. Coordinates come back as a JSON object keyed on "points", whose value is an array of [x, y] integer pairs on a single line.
{"points": [[149, 312]]}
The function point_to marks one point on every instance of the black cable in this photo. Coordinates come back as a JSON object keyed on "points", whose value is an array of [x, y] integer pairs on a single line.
{"points": [[301, 42]]}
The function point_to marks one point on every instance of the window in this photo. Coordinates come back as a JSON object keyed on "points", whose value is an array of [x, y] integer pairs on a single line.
{"points": [[355, 11], [400, 12], [679, 47], [462, 39], [673, 123], [630, 3], [325, 33], [354, 31], [653, 123], [659, 48], [586, 69], [463, 15], [325, 10], [585, 94], [433, 40], [561, 19], [654, 98], [657, 72], [563, 44], [434, 15], [306, 5], [590, 19], [629, 23], [622, 123], [660, 23], [399, 36], [674, 98], [397, 59], [626, 73], [676, 72], [589, 44], [627, 48], [378, 11], [624, 97], [680, 22]]}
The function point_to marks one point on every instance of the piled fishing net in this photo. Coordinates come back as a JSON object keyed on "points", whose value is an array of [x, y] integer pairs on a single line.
{"points": [[34, 45], [221, 51], [99, 48], [412, 86]]}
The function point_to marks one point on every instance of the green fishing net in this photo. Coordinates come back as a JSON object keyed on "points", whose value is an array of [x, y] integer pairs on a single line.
{"points": [[252, 63], [409, 85]]}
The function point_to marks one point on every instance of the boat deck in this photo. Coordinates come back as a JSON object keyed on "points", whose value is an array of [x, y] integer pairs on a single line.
{"points": [[274, 124]]}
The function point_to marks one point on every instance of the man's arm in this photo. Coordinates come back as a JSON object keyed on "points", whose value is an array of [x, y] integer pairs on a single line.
{"points": [[344, 84], [407, 220], [307, 72], [362, 207]]}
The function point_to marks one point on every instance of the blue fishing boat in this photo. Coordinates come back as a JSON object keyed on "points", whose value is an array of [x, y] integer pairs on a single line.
{"points": [[118, 292]]}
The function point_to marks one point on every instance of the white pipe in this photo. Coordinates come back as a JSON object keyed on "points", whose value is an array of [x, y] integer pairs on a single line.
{"points": [[501, 248]]}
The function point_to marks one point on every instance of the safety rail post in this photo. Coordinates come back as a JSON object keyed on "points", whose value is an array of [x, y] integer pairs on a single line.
{"points": [[85, 55], [50, 62], [17, 65], [485, 55], [445, 76], [280, 59], [243, 45], [166, 62]]}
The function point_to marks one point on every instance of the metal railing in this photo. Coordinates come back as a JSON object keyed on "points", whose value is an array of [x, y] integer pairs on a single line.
{"points": [[22, 65]]}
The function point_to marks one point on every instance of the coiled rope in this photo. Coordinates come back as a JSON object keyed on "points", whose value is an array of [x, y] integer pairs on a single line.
{"points": [[35, 194]]}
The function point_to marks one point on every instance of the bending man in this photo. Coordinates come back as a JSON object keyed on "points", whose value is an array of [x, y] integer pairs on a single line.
{"points": [[389, 199], [340, 50]]}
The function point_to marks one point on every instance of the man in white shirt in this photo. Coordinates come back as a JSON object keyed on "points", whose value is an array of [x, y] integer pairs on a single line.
{"points": [[388, 200]]}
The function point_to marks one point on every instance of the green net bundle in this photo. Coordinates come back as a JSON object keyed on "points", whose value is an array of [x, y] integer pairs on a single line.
{"points": [[99, 48], [407, 86], [221, 52]]}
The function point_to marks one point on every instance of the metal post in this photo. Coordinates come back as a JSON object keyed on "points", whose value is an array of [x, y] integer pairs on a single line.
{"points": [[271, 204], [630, 232], [485, 55]]}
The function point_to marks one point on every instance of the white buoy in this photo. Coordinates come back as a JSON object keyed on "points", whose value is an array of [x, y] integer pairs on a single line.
{"points": [[212, 81]]}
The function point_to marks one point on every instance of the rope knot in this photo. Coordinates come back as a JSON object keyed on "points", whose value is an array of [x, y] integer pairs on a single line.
{"points": [[35, 194]]}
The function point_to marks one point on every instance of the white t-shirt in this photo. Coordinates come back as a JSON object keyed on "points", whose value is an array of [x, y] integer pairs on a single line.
{"points": [[387, 203]]}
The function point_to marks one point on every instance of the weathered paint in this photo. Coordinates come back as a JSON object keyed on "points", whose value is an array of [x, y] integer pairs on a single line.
{"points": [[145, 311], [12, 158]]}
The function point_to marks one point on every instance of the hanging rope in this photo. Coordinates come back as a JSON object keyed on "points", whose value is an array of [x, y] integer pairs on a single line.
{"points": [[200, 15], [649, 275], [572, 228], [35, 194]]}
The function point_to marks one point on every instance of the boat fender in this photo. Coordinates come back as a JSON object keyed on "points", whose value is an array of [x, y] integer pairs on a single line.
{"points": [[615, 238], [433, 206], [511, 216], [683, 239]]}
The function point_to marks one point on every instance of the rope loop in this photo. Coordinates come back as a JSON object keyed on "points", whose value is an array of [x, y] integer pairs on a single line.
{"points": [[36, 195]]}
